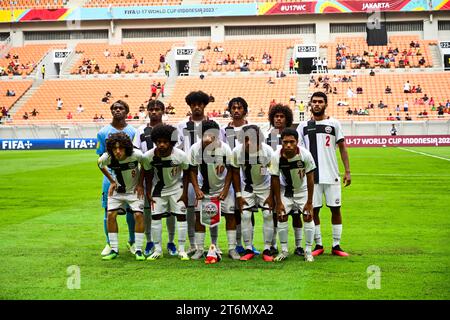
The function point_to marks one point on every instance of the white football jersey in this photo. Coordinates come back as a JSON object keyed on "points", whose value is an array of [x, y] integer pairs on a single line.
{"points": [[189, 132], [167, 171], [142, 139], [321, 139], [292, 172], [255, 175], [125, 172], [231, 135], [211, 166]]}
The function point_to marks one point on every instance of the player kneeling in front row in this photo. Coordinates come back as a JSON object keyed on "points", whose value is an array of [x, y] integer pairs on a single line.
{"points": [[211, 177], [124, 190], [167, 192], [292, 192]]}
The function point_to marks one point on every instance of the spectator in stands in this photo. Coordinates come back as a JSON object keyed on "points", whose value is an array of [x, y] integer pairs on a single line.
{"points": [[372, 73], [418, 89], [393, 131], [341, 103], [270, 81], [425, 114], [431, 102], [10, 93], [167, 69], [121, 54], [425, 98], [34, 113], [422, 61], [281, 74], [107, 96], [97, 68], [370, 105], [153, 90], [25, 116], [69, 116], [350, 92], [408, 117], [359, 90], [106, 53], [43, 71], [95, 118], [136, 116], [293, 98], [272, 103], [390, 117], [397, 108], [59, 104], [142, 61], [388, 90], [297, 66], [161, 90], [123, 67], [261, 113], [80, 108], [291, 65], [117, 68], [170, 109], [406, 87], [135, 65], [381, 105], [211, 98], [397, 117], [406, 106], [349, 111]]}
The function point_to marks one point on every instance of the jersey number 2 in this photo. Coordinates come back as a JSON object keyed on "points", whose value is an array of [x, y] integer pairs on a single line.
{"points": [[327, 139]]}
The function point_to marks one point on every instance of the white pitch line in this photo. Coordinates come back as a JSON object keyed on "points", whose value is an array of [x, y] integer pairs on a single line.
{"points": [[398, 175], [424, 154]]}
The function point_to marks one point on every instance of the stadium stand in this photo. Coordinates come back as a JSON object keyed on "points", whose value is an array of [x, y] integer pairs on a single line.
{"points": [[27, 58], [374, 92], [241, 51], [255, 89], [19, 87], [89, 93], [33, 4], [354, 48], [95, 52]]}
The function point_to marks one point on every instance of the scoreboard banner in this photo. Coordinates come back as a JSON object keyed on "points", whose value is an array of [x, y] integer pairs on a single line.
{"points": [[398, 141], [219, 10], [46, 144]]}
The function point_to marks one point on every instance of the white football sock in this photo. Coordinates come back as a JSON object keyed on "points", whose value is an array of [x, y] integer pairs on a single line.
{"points": [[190, 217], [171, 224], [182, 230], [200, 240], [246, 229], [309, 235], [139, 240], [298, 235], [156, 234], [231, 237], [337, 232], [283, 230], [114, 241], [318, 235], [267, 229], [238, 235]]}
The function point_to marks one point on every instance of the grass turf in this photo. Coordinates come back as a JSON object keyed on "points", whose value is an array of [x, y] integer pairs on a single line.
{"points": [[395, 217]]}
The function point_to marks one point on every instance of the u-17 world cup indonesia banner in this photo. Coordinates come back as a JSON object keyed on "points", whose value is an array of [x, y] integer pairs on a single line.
{"points": [[398, 141]]}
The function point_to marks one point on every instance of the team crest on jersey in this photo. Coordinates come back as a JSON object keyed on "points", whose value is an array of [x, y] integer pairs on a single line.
{"points": [[131, 165], [220, 169], [174, 171], [300, 164], [337, 201], [328, 129]]}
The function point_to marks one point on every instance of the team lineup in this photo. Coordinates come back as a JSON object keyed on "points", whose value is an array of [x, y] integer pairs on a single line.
{"points": [[198, 172]]}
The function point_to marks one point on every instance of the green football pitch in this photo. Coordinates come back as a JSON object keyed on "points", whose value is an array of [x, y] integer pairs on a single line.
{"points": [[396, 222]]}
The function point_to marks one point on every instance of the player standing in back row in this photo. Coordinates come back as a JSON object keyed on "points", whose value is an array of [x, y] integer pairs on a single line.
{"points": [[321, 135]]}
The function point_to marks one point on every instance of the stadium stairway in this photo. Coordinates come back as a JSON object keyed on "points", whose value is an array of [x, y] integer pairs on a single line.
{"points": [[436, 56], [323, 53], [68, 65], [195, 64], [302, 94], [289, 53], [27, 95], [168, 89]]}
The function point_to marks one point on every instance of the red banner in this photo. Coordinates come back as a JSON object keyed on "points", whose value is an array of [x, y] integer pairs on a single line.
{"points": [[374, 5], [398, 141]]}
